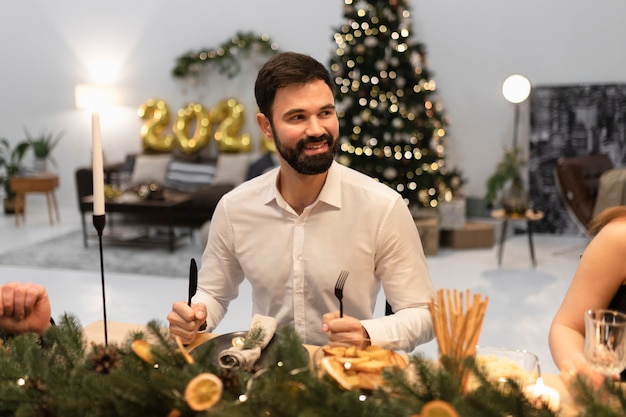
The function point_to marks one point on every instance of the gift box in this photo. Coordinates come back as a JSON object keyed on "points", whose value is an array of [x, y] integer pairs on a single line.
{"points": [[474, 234], [428, 228], [452, 214]]}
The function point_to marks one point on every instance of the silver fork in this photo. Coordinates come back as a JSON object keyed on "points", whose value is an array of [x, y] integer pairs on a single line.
{"points": [[341, 281]]}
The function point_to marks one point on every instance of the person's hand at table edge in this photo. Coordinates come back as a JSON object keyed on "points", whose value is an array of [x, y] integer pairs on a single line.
{"points": [[24, 308], [344, 329], [577, 364], [185, 321]]}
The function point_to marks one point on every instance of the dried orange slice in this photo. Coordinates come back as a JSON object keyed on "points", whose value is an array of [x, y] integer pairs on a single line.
{"points": [[143, 350], [438, 408], [203, 391]]}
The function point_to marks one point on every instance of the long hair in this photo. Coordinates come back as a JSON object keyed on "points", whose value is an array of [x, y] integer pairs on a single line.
{"points": [[604, 217]]}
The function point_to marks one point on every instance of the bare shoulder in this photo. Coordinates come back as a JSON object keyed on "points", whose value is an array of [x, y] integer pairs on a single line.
{"points": [[614, 232], [609, 246]]}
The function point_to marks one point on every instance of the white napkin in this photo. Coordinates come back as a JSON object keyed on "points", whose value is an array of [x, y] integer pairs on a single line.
{"points": [[238, 357]]}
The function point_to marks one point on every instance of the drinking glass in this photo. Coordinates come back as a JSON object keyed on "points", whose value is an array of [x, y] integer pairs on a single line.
{"points": [[605, 341]]}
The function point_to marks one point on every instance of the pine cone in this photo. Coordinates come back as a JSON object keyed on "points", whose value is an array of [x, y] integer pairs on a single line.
{"points": [[105, 358], [42, 408], [231, 380]]}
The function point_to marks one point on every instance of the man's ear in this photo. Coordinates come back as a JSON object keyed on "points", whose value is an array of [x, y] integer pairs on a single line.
{"points": [[264, 125]]}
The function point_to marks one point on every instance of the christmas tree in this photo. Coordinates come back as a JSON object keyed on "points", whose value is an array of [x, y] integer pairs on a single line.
{"points": [[391, 125]]}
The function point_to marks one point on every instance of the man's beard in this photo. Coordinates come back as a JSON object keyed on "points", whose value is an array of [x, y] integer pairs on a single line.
{"points": [[308, 164]]}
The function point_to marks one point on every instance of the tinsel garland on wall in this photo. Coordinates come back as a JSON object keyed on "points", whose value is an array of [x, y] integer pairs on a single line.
{"points": [[62, 375], [226, 56]]}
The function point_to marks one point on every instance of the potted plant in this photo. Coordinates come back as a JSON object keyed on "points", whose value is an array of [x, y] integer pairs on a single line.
{"points": [[42, 147], [10, 165], [506, 184]]}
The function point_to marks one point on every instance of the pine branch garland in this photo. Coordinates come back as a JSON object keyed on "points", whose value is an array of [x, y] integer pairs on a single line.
{"points": [[57, 379], [226, 56], [608, 401], [254, 338]]}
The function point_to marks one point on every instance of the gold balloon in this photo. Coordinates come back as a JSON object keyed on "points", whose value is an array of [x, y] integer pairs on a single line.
{"points": [[192, 128], [156, 115], [229, 114], [193, 116]]}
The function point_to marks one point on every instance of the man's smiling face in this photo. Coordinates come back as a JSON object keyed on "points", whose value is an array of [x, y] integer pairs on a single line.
{"points": [[305, 127]]}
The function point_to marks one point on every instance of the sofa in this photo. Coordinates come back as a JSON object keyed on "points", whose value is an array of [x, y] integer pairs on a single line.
{"points": [[204, 180]]}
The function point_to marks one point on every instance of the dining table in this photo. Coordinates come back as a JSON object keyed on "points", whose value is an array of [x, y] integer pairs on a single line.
{"points": [[118, 332]]}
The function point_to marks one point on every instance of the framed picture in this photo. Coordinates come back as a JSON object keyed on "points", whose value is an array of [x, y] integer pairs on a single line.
{"points": [[570, 121]]}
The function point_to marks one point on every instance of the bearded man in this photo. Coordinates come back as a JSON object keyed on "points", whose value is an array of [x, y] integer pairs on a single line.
{"points": [[291, 231]]}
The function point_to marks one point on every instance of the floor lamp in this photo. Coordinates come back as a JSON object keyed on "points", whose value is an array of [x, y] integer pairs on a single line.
{"points": [[516, 89]]}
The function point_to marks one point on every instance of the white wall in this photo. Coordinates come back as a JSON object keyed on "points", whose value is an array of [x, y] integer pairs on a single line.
{"points": [[47, 48]]}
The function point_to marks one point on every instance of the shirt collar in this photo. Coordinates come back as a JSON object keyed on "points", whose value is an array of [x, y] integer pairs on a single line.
{"points": [[330, 193]]}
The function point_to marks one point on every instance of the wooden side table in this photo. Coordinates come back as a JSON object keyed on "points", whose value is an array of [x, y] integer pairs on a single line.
{"points": [[42, 183], [530, 216]]}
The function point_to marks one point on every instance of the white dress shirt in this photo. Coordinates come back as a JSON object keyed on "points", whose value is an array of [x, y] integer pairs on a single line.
{"points": [[292, 261]]}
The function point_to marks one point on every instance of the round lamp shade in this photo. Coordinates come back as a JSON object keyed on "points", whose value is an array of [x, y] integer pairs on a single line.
{"points": [[516, 88]]}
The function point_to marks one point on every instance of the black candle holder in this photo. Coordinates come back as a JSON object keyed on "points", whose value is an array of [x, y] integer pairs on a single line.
{"points": [[99, 221]]}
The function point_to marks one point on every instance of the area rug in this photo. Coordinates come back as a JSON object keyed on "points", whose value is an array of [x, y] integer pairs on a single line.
{"points": [[68, 252]]}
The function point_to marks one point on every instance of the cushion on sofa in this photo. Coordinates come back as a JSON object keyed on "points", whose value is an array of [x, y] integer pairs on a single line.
{"points": [[232, 167], [189, 176], [611, 190], [150, 168]]}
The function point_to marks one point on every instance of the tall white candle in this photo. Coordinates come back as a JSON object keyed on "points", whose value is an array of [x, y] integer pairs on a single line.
{"points": [[97, 166]]}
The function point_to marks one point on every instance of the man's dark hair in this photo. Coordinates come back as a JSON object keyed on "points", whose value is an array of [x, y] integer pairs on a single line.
{"points": [[285, 69]]}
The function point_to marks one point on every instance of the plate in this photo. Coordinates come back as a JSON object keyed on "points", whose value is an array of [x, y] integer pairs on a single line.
{"points": [[225, 341]]}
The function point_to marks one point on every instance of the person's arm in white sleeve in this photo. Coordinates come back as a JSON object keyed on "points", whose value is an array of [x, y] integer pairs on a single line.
{"points": [[406, 282]]}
